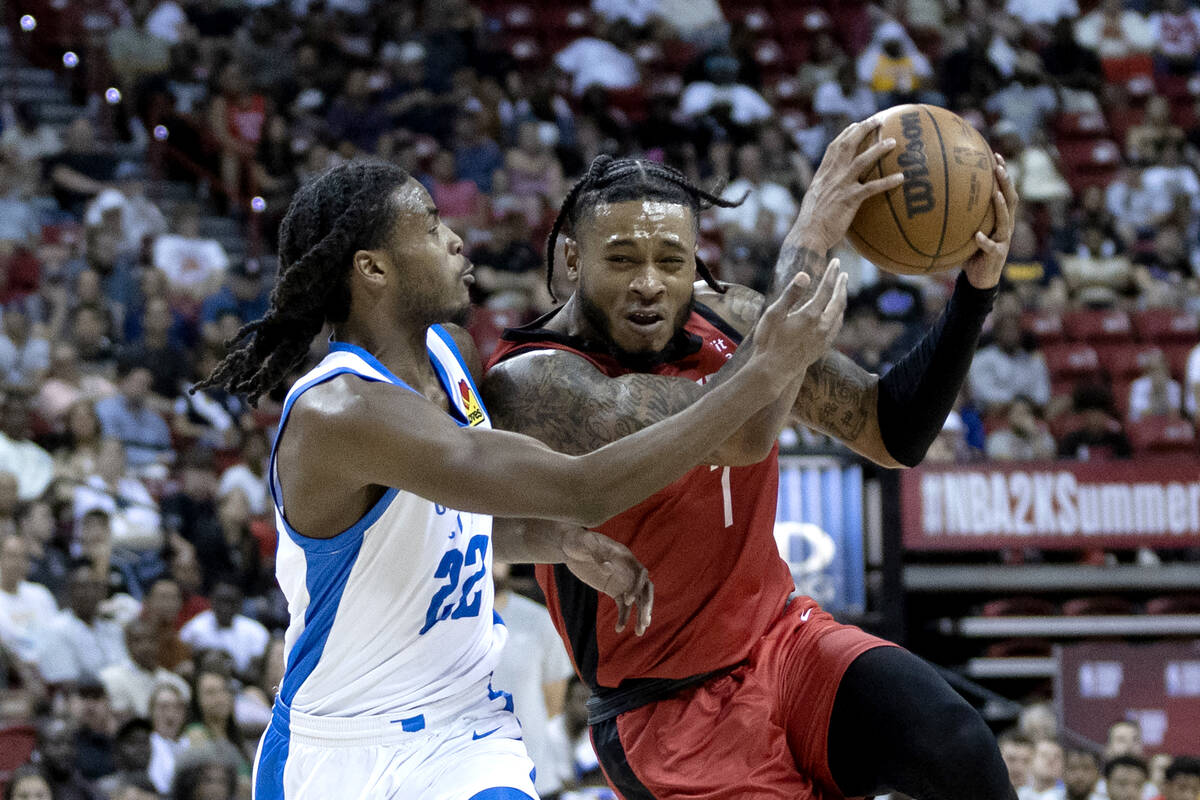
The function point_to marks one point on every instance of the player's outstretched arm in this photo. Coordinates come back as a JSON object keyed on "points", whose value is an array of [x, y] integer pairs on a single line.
{"points": [[397, 438]]}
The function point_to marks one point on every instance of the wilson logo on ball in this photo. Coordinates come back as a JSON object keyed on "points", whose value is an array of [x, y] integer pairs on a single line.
{"points": [[918, 191]]}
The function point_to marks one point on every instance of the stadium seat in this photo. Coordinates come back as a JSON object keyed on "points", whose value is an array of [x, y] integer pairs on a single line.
{"points": [[1080, 126], [1121, 119], [1124, 69], [631, 102], [1048, 328], [1016, 648], [17, 743], [1071, 360], [1177, 358], [1124, 362], [1098, 326], [1019, 607], [1120, 395], [1092, 162], [1094, 606], [1164, 325], [1162, 435], [1174, 604]]}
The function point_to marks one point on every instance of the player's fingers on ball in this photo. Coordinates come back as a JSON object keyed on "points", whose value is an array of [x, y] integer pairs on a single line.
{"points": [[987, 245], [869, 156], [880, 185], [825, 288], [1004, 220]]}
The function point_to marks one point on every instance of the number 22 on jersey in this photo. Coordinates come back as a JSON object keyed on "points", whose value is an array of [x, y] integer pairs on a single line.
{"points": [[450, 569]]}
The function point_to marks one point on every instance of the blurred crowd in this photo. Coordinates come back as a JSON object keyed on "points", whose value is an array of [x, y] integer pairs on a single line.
{"points": [[1043, 765], [140, 625]]}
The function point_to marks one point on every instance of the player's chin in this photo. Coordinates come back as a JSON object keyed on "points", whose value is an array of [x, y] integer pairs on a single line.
{"points": [[459, 313], [645, 339]]}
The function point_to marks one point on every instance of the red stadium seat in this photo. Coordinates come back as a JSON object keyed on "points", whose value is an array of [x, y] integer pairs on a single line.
{"points": [[1098, 326], [17, 743], [1048, 328], [1162, 435], [1121, 119], [1174, 604], [631, 102], [1096, 606], [1080, 126], [1177, 358], [1015, 648], [1164, 325], [1091, 162], [1124, 69], [1071, 360], [1019, 607], [1120, 395], [1124, 362]]}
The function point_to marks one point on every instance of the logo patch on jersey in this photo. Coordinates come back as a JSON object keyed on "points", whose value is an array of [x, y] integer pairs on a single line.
{"points": [[472, 410]]}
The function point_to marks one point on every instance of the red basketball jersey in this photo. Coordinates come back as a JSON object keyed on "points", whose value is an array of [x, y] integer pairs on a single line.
{"points": [[707, 540]]}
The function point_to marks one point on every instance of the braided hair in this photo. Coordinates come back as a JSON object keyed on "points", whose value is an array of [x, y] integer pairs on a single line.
{"points": [[612, 180], [347, 208]]}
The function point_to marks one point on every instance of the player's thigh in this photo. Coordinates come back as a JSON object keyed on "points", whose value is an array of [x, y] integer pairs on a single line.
{"points": [[715, 742], [486, 760]]}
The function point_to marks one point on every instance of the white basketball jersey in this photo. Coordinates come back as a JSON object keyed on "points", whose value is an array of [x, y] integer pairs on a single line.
{"points": [[395, 613]]}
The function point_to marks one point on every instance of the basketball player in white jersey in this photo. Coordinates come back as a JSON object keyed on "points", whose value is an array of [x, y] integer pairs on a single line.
{"points": [[384, 474]]}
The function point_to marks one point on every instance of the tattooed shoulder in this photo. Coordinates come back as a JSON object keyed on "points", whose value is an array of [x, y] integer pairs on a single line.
{"points": [[740, 306]]}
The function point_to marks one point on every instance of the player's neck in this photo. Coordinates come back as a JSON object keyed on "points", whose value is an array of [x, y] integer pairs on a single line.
{"points": [[401, 350], [574, 322]]}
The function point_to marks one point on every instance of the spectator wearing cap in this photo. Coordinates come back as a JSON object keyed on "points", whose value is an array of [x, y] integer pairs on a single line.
{"points": [[244, 292], [224, 628], [1008, 368], [131, 755], [56, 754], [26, 608], [720, 95], [78, 643], [599, 60], [127, 209], [194, 265], [131, 684], [129, 418]]}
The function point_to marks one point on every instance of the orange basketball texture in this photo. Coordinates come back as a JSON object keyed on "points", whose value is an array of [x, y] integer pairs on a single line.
{"points": [[928, 223]]}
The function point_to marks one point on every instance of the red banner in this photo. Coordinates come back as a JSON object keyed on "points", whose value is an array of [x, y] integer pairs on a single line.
{"points": [[1155, 685], [1052, 505]]}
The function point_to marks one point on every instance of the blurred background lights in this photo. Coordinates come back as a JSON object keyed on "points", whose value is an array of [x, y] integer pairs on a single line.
{"points": [[70, 60], [161, 133], [258, 205], [28, 23], [112, 95]]}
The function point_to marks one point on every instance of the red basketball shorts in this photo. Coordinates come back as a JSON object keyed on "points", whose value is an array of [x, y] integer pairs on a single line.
{"points": [[758, 732]]}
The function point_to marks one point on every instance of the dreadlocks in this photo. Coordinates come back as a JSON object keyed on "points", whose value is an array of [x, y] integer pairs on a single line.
{"points": [[346, 209], [610, 180]]}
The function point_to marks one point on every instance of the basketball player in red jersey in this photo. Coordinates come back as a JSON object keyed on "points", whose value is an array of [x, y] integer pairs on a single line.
{"points": [[737, 690]]}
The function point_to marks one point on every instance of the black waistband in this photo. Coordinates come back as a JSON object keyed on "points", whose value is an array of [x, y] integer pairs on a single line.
{"points": [[606, 703]]}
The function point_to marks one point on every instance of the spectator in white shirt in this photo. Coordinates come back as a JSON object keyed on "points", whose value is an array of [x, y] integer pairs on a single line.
{"points": [[24, 355], [249, 474], [637, 13], [1008, 368], [223, 628], [131, 684], [1042, 12], [19, 456], [168, 712], [592, 60], [721, 93], [534, 667], [1155, 393], [194, 265], [769, 208], [78, 643], [846, 98], [1176, 32], [128, 210], [1170, 177], [26, 608], [1046, 773], [1114, 32]]}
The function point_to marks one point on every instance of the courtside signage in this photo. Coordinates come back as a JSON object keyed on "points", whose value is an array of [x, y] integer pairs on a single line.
{"points": [[1052, 505]]}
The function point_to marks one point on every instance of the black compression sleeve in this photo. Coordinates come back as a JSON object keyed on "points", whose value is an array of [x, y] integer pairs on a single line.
{"points": [[916, 396]]}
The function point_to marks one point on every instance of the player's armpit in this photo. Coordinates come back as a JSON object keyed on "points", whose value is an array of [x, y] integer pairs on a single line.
{"points": [[567, 403], [840, 398]]}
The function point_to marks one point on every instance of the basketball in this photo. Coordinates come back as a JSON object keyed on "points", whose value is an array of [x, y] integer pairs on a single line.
{"points": [[927, 223]]}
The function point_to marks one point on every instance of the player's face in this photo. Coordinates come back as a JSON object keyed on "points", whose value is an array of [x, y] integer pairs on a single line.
{"points": [[635, 262], [433, 274]]}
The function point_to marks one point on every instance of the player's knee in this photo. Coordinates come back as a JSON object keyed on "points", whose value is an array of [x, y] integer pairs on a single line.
{"points": [[966, 759]]}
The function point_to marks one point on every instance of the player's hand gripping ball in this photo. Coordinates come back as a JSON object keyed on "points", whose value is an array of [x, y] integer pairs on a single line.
{"points": [[929, 222]]}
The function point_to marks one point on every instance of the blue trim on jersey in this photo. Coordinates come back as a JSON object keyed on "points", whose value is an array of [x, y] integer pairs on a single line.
{"points": [[272, 756], [500, 793], [412, 724], [449, 340], [325, 577], [372, 361], [496, 620]]}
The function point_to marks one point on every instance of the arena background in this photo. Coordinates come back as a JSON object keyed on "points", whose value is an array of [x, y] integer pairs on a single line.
{"points": [[1046, 555]]}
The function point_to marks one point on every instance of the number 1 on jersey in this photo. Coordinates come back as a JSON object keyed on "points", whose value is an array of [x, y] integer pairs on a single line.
{"points": [[726, 494]]}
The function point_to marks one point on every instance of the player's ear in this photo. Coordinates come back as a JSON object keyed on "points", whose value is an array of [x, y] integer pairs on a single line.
{"points": [[370, 266], [571, 257]]}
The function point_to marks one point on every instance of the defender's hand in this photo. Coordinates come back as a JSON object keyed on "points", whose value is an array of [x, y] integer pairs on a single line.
{"points": [[789, 336], [610, 567], [985, 267], [836, 191]]}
